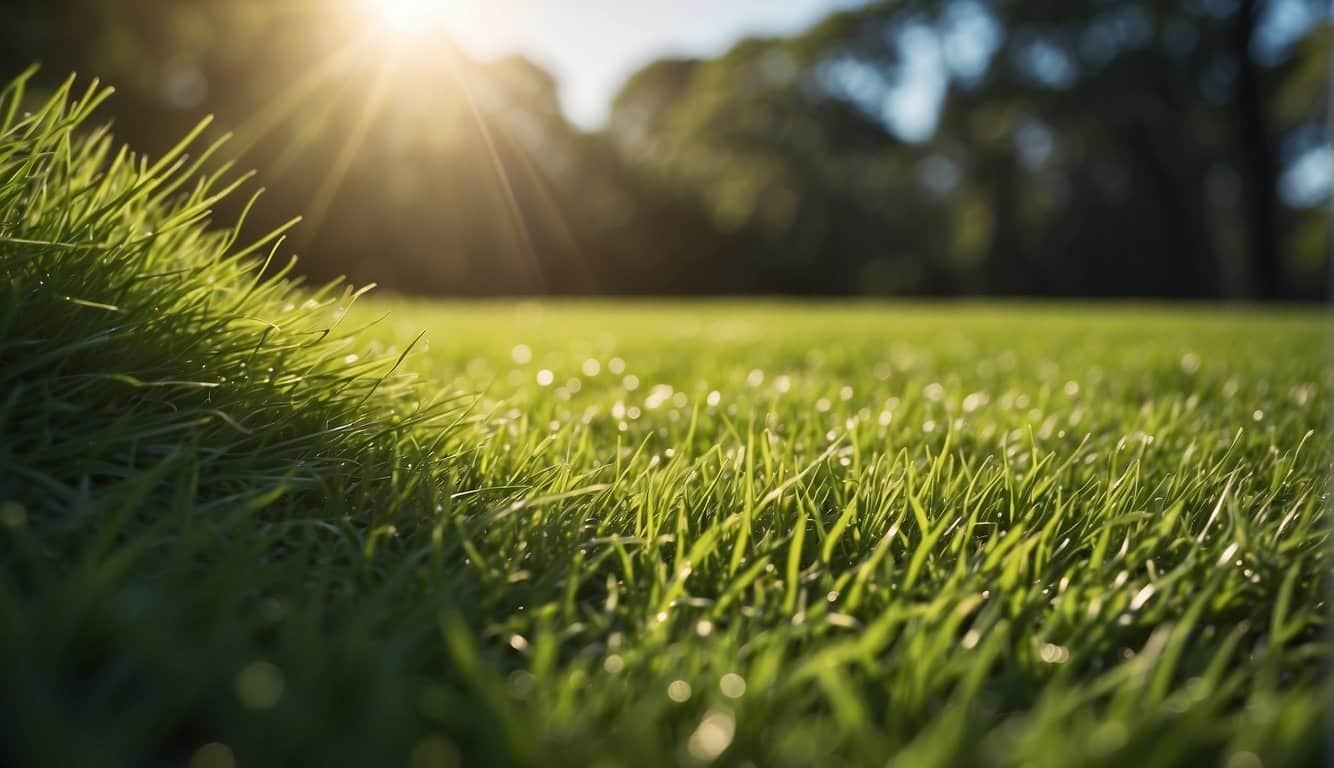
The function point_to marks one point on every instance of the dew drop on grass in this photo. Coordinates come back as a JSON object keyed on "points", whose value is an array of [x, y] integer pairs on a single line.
{"points": [[679, 691], [660, 394], [614, 664], [713, 735], [732, 685], [522, 354], [1054, 654]]}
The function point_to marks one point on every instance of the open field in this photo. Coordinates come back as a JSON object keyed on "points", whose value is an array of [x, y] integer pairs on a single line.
{"points": [[1051, 535], [238, 526]]}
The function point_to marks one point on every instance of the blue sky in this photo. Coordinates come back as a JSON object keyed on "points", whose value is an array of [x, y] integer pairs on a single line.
{"points": [[593, 45]]}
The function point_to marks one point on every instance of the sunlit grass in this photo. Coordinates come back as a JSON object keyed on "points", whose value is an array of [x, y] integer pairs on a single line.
{"points": [[235, 527]]}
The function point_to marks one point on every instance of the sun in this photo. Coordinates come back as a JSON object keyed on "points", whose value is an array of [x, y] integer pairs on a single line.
{"points": [[408, 15]]}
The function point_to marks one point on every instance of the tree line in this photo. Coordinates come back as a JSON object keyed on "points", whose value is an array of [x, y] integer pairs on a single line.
{"points": [[1123, 148]]}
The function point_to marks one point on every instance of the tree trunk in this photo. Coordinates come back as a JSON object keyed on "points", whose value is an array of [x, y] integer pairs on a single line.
{"points": [[1007, 273], [1256, 161]]}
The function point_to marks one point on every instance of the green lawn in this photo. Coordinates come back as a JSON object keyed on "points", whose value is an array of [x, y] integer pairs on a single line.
{"points": [[237, 526]]}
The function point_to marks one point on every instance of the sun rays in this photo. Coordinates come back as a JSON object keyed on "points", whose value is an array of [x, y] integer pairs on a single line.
{"points": [[396, 78]]}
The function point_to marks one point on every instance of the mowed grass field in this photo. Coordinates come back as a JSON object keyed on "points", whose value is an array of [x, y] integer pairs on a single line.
{"points": [[960, 534], [246, 523]]}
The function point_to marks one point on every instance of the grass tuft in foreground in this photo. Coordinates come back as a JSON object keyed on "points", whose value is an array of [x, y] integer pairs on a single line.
{"points": [[672, 534]]}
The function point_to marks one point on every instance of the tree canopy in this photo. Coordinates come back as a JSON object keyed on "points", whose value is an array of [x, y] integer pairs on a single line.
{"points": [[1111, 148]]}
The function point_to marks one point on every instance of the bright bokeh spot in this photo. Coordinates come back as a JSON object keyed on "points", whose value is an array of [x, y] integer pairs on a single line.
{"points": [[409, 15]]}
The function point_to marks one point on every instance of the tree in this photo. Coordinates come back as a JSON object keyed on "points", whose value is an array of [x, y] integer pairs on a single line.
{"points": [[1118, 148]]}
